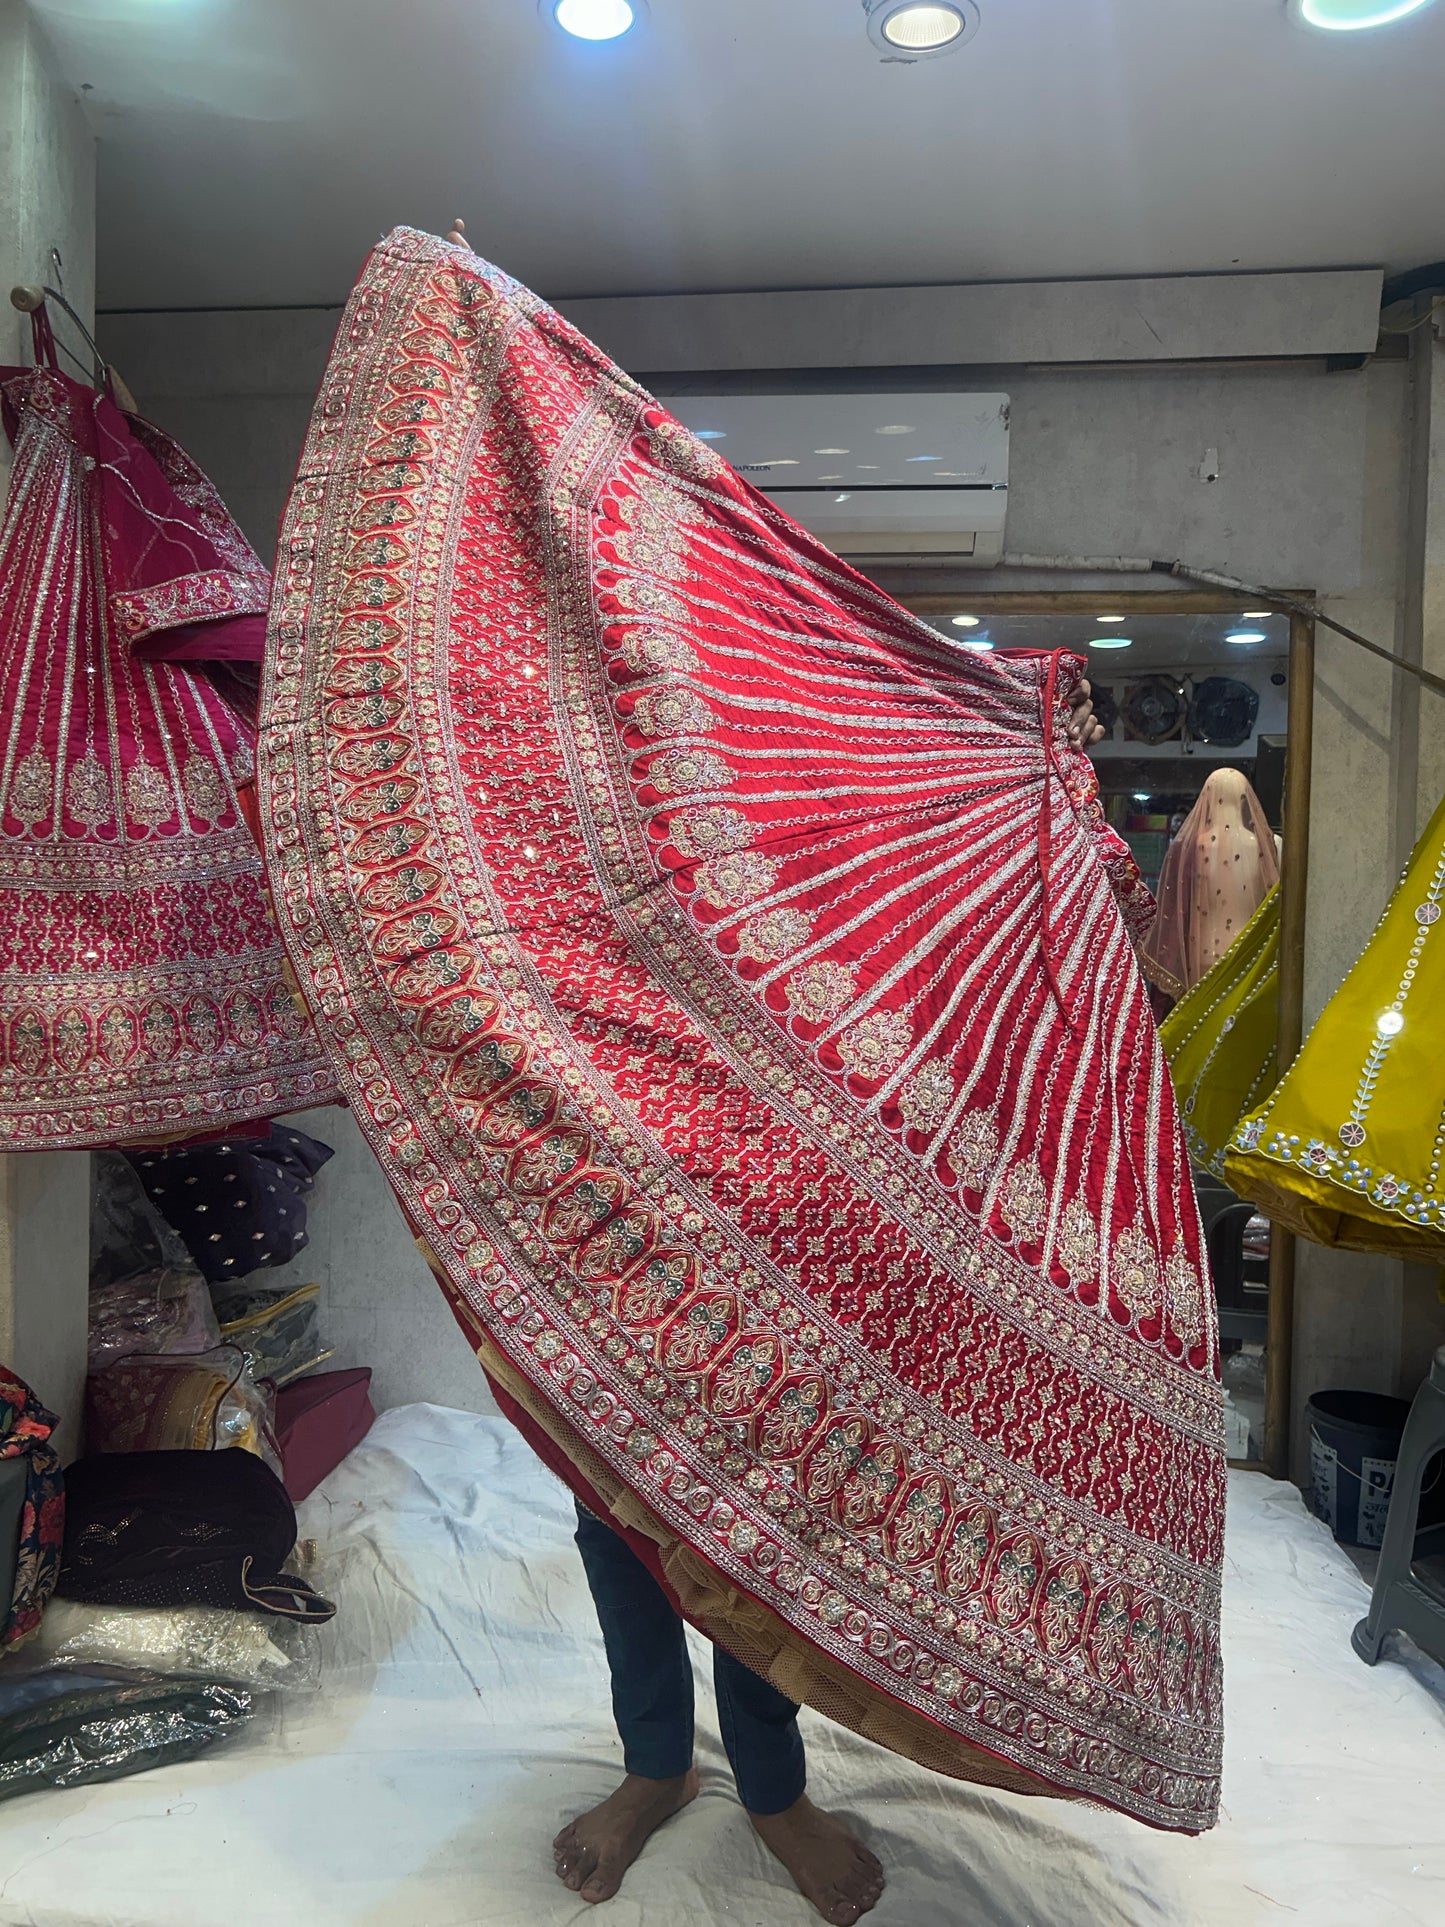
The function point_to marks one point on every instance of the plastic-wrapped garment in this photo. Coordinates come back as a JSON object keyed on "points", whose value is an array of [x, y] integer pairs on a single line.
{"points": [[239, 1206], [199, 1402], [277, 1330], [166, 1312], [110, 1730], [194, 1642], [128, 1235]]}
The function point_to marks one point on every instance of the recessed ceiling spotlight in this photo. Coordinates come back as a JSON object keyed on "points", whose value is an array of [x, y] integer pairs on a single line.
{"points": [[920, 29], [593, 19], [1247, 635], [1112, 642], [1351, 16], [896, 428], [923, 458], [832, 451], [965, 622], [711, 434], [1257, 615], [1108, 618]]}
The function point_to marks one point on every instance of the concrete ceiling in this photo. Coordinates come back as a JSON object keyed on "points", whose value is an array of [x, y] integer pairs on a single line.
{"points": [[252, 150]]}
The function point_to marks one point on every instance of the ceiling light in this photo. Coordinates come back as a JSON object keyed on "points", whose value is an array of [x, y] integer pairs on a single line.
{"points": [[965, 622], [842, 498], [1352, 16], [1108, 618], [919, 29], [923, 458], [1141, 796], [594, 19], [711, 434], [1112, 642], [1257, 615], [896, 428], [832, 451], [1247, 635]]}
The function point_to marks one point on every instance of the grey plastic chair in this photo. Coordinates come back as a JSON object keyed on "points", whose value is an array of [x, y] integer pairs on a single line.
{"points": [[1400, 1603]]}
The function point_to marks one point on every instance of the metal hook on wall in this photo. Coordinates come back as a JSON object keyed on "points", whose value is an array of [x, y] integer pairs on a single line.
{"points": [[28, 298]]}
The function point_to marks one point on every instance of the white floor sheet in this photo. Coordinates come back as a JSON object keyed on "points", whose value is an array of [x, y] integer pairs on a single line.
{"points": [[464, 1716]]}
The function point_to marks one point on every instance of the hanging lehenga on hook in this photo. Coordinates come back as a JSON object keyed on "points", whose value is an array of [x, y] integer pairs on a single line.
{"points": [[141, 987], [727, 973]]}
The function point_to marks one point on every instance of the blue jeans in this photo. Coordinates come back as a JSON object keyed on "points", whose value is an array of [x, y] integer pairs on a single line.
{"points": [[652, 1683]]}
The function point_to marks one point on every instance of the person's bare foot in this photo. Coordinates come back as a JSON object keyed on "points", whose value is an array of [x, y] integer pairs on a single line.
{"points": [[832, 1868], [595, 1850]]}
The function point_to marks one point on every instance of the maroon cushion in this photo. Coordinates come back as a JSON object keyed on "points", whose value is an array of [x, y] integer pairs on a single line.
{"points": [[318, 1421]]}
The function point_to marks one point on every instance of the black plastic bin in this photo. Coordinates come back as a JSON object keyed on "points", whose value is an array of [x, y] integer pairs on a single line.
{"points": [[1354, 1444]]}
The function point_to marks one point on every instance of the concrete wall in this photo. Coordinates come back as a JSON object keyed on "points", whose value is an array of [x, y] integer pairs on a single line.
{"points": [[380, 1304], [47, 199], [1314, 491]]}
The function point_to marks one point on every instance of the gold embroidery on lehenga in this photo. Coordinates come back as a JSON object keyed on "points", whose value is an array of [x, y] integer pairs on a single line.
{"points": [[877, 1042], [925, 1096]]}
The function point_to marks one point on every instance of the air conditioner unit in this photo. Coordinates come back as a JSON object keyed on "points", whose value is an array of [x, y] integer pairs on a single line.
{"points": [[878, 478]]}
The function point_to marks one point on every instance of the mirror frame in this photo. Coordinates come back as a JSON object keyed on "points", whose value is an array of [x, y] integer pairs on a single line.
{"points": [[1294, 895]]}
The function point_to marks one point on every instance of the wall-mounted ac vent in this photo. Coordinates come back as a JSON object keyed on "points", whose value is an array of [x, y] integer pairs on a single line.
{"points": [[879, 478]]}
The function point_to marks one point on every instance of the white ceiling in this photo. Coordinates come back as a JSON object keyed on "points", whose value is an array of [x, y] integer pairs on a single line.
{"points": [[252, 150]]}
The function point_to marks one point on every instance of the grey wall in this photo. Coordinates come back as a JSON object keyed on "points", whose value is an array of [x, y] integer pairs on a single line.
{"points": [[47, 199], [1313, 493]]}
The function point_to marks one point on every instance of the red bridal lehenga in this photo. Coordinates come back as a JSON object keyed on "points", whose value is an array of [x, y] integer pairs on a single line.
{"points": [[731, 978], [141, 987]]}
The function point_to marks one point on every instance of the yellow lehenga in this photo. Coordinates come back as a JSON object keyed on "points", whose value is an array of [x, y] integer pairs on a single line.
{"points": [[1220, 1038], [1347, 1150]]}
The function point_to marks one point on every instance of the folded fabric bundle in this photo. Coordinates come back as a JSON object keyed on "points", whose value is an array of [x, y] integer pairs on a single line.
{"points": [[180, 1642], [183, 1529], [189, 1402], [112, 1728], [239, 1205], [166, 1312]]}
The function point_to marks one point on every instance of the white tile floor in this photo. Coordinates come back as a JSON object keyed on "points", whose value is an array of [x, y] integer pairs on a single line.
{"points": [[464, 1715]]}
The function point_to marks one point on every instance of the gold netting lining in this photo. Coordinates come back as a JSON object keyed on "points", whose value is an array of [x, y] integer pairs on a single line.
{"points": [[748, 1629]]}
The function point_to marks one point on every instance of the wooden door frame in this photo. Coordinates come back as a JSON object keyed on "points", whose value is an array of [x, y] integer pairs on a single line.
{"points": [[1294, 888]]}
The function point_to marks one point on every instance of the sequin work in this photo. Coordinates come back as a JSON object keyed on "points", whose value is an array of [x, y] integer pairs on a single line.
{"points": [[141, 992], [677, 927]]}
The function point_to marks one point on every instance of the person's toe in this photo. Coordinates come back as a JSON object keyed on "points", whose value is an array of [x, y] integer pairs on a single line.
{"points": [[565, 1839], [602, 1884]]}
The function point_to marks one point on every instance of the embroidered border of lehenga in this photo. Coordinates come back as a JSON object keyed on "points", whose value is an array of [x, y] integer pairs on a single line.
{"points": [[728, 974]]}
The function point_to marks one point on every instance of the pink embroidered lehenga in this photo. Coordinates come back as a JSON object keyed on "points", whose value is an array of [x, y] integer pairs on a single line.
{"points": [[141, 987], [730, 975]]}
